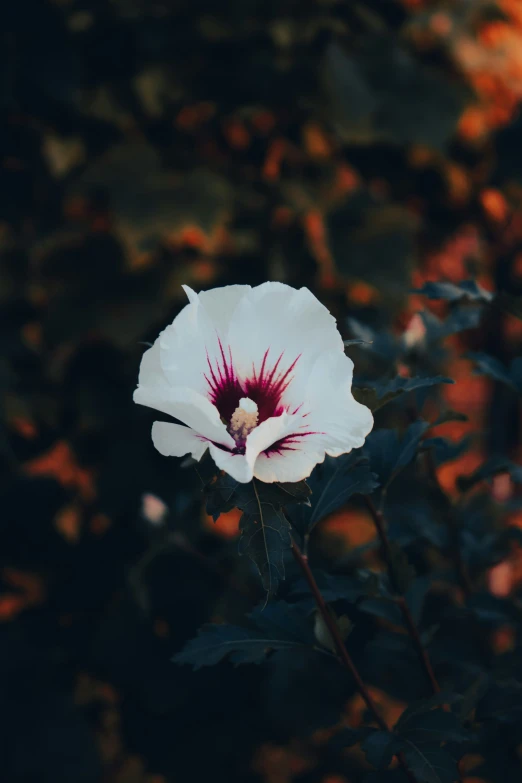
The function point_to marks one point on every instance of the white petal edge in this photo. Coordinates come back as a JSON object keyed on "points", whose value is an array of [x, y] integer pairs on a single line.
{"points": [[174, 440], [188, 406], [241, 466]]}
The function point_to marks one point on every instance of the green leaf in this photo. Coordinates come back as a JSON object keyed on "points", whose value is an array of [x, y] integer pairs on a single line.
{"points": [[453, 292], [433, 726], [449, 415], [493, 368], [379, 748], [216, 642], [265, 536], [389, 454], [375, 394], [284, 493], [430, 764], [460, 319], [425, 705], [447, 450], [332, 484], [492, 467], [265, 531], [276, 627]]}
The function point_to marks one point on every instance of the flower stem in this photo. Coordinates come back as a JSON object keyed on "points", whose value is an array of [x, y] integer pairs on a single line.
{"points": [[400, 600], [344, 655], [330, 623]]}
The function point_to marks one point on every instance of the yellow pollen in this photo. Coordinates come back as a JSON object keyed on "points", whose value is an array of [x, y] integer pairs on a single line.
{"points": [[244, 419]]}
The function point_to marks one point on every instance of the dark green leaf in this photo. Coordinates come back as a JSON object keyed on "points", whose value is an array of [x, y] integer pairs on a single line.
{"points": [[283, 494], [241, 645], [277, 626], [265, 536], [375, 394], [422, 706], [449, 415], [460, 319], [332, 484], [492, 467], [493, 368], [389, 454], [433, 726], [453, 292], [430, 764], [379, 748], [336, 587], [446, 450]]}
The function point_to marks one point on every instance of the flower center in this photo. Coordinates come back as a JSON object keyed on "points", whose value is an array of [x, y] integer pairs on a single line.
{"points": [[244, 420]]}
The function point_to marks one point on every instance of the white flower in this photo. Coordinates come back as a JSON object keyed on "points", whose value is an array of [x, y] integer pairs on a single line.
{"points": [[258, 376]]}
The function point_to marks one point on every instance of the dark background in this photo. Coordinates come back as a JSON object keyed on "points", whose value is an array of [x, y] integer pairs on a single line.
{"points": [[357, 148]]}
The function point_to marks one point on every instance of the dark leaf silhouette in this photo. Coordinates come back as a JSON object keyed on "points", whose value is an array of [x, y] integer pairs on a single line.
{"points": [[454, 292]]}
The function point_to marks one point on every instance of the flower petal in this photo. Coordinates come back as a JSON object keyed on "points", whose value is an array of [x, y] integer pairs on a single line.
{"points": [[241, 466], [197, 335], [292, 464], [151, 372], [335, 424], [191, 408], [338, 422], [284, 321], [174, 440]]}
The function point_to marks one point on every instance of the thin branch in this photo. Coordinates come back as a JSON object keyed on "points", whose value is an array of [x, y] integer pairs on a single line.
{"points": [[409, 622], [344, 655]]}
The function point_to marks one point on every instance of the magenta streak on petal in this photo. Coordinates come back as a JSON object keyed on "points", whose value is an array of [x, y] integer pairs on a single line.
{"points": [[288, 443], [265, 389], [225, 389]]}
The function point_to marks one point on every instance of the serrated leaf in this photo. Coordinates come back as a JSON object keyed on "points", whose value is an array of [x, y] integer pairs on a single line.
{"points": [[332, 484], [433, 726], [277, 626], [460, 319], [336, 587], [413, 711], [430, 764], [379, 748], [214, 643], [493, 368], [453, 292], [375, 394], [284, 493], [388, 454], [265, 536], [446, 450], [492, 467], [448, 416]]}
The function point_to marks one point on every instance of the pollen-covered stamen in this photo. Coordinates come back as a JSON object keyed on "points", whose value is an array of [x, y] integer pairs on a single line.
{"points": [[244, 420]]}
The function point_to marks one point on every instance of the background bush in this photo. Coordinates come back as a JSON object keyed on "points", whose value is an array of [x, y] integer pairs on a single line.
{"points": [[360, 149]]}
